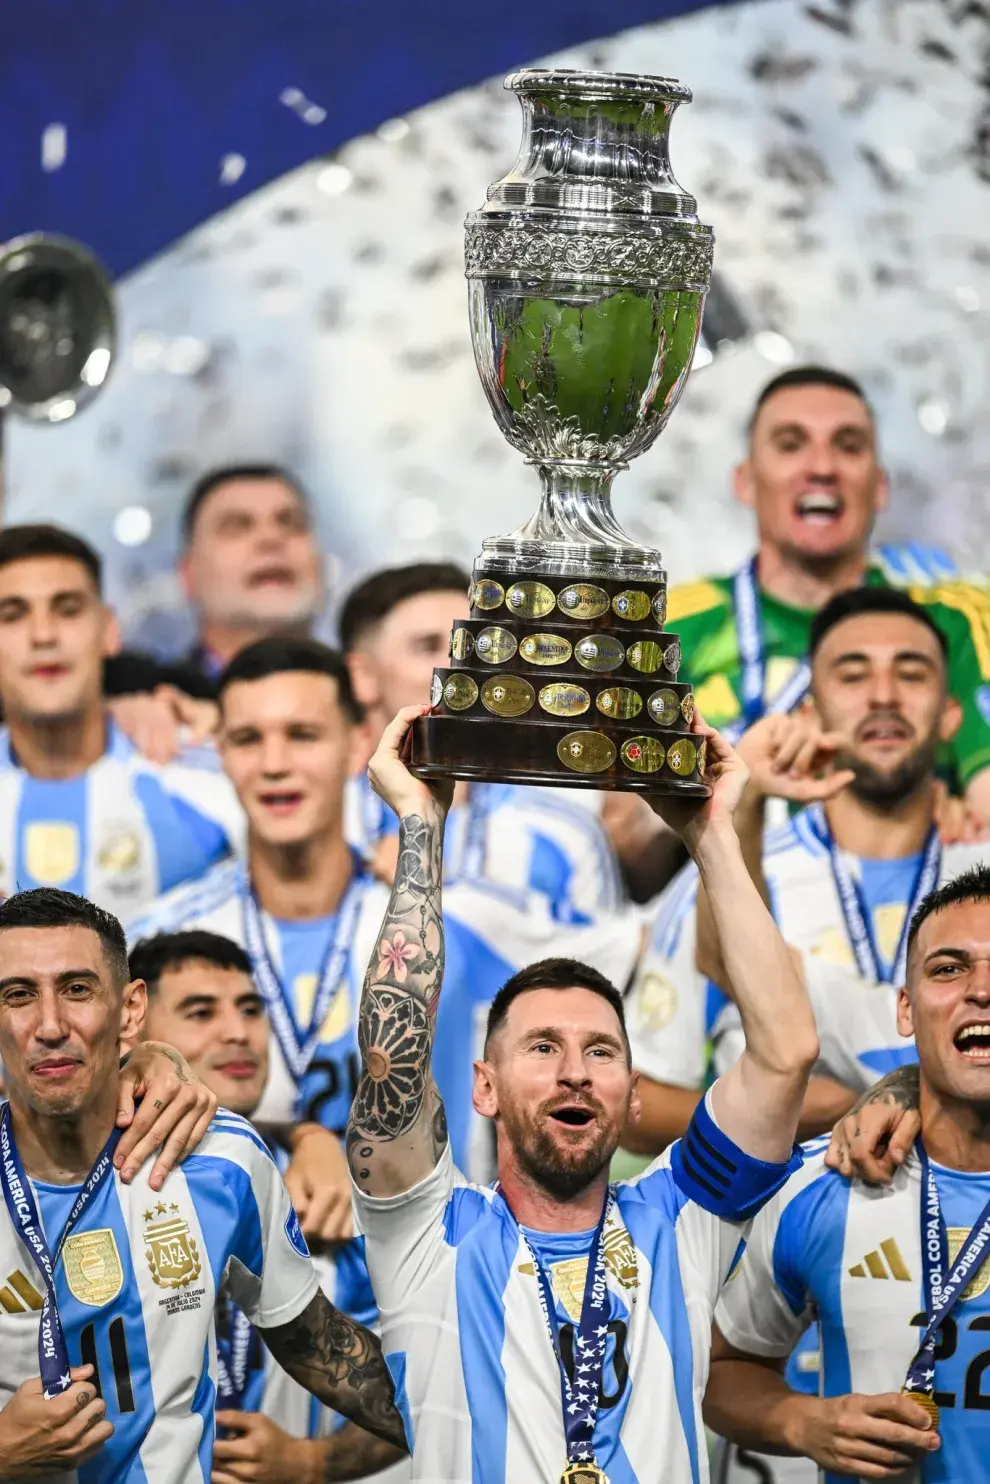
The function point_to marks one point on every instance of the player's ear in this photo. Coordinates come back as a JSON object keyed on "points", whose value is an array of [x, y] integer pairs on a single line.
{"points": [[905, 1012], [743, 484], [635, 1102], [483, 1094], [364, 681], [133, 1009], [951, 719], [113, 639]]}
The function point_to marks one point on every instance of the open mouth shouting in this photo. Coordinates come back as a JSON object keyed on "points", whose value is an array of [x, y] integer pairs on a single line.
{"points": [[281, 802], [819, 507], [573, 1114], [973, 1041], [885, 731]]}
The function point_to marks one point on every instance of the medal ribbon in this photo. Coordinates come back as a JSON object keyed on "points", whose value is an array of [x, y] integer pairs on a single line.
{"points": [[299, 1045], [859, 928], [752, 658], [232, 1359], [580, 1398], [942, 1292], [22, 1207]]}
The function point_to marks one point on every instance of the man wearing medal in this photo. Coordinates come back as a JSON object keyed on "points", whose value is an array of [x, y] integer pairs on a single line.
{"points": [[814, 482], [554, 1326], [202, 1001], [896, 1274], [118, 1282], [308, 914], [844, 875], [394, 628]]}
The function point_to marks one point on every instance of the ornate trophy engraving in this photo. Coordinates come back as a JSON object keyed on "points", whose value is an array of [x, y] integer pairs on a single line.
{"points": [[587, 271]]}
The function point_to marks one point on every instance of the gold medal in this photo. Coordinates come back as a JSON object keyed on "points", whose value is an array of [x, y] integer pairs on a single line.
{"points": [[632, 606], [599, 652], [494, 646], [487, 594], [643, 754], [545, 649], [507, 695], [586, 752], [925, 1401], [665, 707], [530, 599], [460, 692], [619, 702], [564, 698], [583, 1473], [645, 655], [583, 600]]}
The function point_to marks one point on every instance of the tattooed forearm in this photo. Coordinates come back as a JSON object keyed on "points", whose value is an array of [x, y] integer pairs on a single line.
{"points": [[339, 1362], [352, 1453], [396, 1101], [901, 1088]]}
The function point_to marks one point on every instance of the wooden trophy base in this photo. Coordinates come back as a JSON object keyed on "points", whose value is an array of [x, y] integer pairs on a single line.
{"points": [[564, 684]]}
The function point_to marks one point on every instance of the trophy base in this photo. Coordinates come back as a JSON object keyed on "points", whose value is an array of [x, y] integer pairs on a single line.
{"points": [[556, 756]]}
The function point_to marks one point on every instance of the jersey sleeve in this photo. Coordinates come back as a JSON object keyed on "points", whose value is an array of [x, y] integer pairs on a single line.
{"points": [[404, 1235], [210, 796], [666, 1008], [270, 1274], [962, 611], [711, 1170], [765, 1306]]}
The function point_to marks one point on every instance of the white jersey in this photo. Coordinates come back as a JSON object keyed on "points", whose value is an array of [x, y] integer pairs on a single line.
{"points": [[463, 1328], [679, 1021], [121, 833], [488, 936], [136, 1288], [518, 839], [849, 1254]]}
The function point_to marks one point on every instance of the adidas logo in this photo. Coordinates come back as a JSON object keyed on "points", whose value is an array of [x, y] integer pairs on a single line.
{"points": [[873, 1265], [18, 1295]]}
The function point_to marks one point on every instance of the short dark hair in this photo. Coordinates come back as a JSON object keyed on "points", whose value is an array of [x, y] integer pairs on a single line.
{"points": [[20, 543], [280, 655], [226, 474], [47, 907], [152, 957], [809, 376], [374, 598], [554, 973], [969, 886], [870, 600]]}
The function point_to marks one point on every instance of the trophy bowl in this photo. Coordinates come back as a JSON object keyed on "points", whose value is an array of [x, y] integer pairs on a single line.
{"points": [[587, 270]]}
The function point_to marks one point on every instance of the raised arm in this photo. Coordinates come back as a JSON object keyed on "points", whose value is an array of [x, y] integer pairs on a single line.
{"points": [[397, 1128], [758, 1102]]}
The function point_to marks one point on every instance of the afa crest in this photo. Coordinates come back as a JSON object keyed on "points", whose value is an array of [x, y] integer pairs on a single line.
{"points": [[172, 1254]]}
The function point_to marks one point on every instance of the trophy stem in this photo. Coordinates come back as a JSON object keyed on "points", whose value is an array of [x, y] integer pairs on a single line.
{"points": [[574, 531]]}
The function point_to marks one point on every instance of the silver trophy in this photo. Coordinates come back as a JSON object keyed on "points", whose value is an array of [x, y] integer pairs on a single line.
{"points": [[587, 270]]}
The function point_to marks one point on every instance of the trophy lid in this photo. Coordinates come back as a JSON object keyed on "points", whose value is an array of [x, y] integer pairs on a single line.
{"points": [[595, 144]]}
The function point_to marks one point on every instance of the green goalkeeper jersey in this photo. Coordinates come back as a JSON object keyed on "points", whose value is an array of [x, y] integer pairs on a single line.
{"points": [[703, 614]]}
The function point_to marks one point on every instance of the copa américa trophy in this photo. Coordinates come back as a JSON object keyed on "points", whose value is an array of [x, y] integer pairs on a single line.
{"points": [[587, 270]]}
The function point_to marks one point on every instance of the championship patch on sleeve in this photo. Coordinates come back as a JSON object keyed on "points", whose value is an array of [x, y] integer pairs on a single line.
{"points": [[294, 1233]]}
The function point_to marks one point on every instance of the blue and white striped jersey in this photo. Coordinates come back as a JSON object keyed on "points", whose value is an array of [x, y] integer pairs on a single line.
{"points": [[465, 1336], [136, 1287], [121, 833], [489, 935], [850, 1254], [679, 1021], [519, 839]]}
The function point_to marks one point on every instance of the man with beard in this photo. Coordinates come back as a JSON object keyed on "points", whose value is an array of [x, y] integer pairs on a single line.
{"points": [[896, 1274], [844, 876], [553, 1326], [813, 479]]}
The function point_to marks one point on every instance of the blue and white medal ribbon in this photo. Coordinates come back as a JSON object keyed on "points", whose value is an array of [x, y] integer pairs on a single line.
{"points": [[943, 1287], [22, 1207], [856, 913], [752, 659], [298, 1045], [580, 1396], [233, 1351]]}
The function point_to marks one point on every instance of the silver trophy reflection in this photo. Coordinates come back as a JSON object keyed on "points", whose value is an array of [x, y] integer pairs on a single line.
{"points": [[587, 271]]}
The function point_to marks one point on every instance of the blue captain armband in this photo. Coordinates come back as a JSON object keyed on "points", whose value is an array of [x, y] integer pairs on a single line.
{"points": [[717, 1175]]}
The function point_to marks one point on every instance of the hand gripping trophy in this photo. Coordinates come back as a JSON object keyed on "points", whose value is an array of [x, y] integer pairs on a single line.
{"points": [[587, 271]]}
